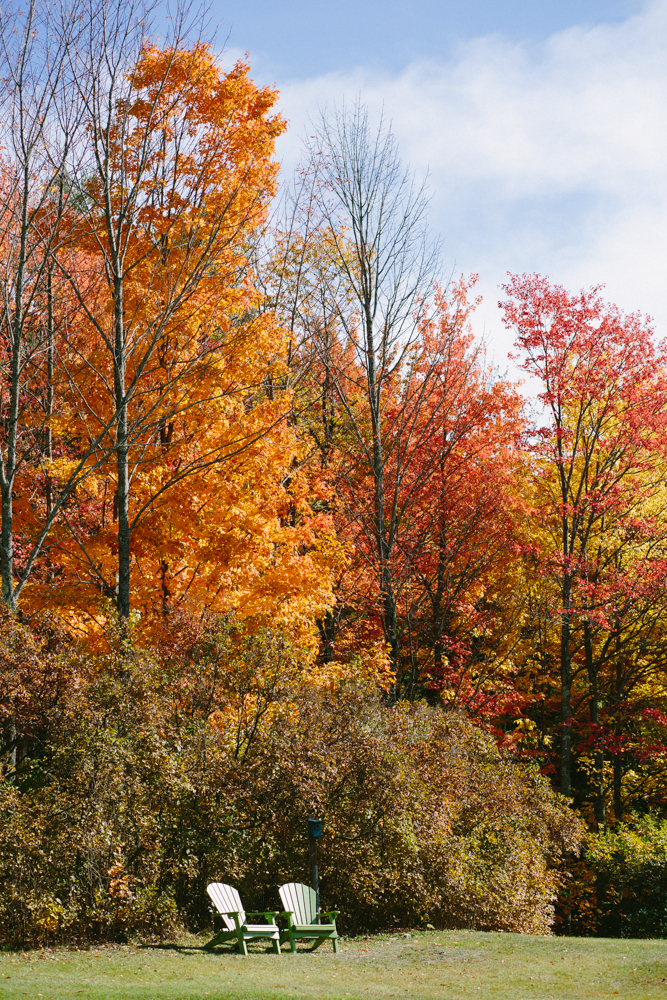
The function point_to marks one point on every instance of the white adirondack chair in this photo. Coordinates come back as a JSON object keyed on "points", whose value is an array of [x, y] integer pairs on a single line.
{"points": [[228, 904], [300, 904]]}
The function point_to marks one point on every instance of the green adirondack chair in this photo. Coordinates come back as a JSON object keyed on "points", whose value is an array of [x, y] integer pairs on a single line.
{"points": [[300, 904], [228, 904]]}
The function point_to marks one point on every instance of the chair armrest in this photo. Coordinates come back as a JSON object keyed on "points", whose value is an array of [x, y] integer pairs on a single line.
{"points": [[232, 913], [269, 914], [289, 914], [331, 914]]}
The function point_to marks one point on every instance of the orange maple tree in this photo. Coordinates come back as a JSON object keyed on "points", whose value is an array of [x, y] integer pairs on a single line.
{"points": [[193, 491]]}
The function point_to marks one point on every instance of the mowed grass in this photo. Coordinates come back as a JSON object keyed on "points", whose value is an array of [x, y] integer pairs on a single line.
{"points": [[433, 964]]}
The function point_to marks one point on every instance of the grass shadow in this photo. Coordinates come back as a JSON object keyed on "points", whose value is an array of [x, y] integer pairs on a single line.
{"points": [[230, 948], [185, 948]]}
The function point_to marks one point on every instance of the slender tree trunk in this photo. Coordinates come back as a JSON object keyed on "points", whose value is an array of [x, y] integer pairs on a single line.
{"points": [[122, 459], [328, 414], [566, 691], [7, 543], [383, 544], [327, 629], [389, 617], [327, 624], [166, 593], [598, 781], [568, 531], [12, 741], [439, 596], [10, 458], [48, 442], [387, 261], [618, 799], [618, 761]]}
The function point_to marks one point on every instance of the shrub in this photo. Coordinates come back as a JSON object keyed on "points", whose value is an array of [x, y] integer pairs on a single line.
{"points": [[152, 774], [620, 885]]}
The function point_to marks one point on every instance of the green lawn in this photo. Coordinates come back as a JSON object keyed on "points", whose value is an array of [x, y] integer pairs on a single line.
{"points": [[433, 964]]}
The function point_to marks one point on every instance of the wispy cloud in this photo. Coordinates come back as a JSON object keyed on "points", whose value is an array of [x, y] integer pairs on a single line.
{"points": [[549, 158]]}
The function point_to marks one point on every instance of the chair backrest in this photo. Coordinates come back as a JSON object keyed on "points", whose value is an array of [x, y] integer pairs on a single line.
{"points": [[226, 899], [300, 900]]}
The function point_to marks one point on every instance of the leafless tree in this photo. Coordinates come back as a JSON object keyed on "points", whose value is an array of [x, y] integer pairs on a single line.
{"points": [[41, 123], [377, 271]]}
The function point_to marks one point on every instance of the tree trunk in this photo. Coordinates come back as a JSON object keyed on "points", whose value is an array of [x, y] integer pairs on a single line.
{"points": [[122, 460], [9, 463], [598, 786], [7, 545], [618, 800], [327, 629], [618, 760], [48, 437], [383, 544], [566, 692], [389, 622]]}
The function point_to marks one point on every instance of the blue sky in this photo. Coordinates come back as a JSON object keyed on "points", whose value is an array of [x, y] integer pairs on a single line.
{"points": [[304, 38], [542, 125]]}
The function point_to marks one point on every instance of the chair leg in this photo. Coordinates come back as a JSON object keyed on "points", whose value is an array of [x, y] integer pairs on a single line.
{"points": [[243, 948], [276, 946], [218, 939], [335, 944]]}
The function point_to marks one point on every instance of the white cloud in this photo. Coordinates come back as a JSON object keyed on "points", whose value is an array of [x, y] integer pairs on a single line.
{"points": [[229, 56], [549, 158]]}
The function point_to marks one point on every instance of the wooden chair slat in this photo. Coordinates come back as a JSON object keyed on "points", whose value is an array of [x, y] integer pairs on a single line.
{"points": [[226, 900], [288, 896], [300, 903], [303, 904], [298, 899], [291, 896]]}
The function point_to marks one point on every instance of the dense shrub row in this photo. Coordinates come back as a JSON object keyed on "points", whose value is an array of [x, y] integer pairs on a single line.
{"points": [[619, 885], [141, 777]]}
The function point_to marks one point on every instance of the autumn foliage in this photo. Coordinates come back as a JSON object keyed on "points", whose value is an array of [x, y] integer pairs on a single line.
{"points": [[277, 540], [152, 775], [597, 603]]}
